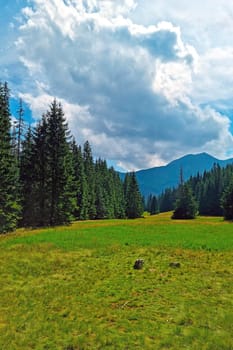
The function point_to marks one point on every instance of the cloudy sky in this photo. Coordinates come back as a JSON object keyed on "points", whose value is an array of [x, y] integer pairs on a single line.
{"points": [[144, 81]]}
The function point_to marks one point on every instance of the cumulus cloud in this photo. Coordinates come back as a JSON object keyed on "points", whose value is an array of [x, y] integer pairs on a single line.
{"points": [[216, 67], [125, 86]]}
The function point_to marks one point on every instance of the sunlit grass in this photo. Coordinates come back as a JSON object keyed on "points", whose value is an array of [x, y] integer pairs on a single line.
{"points": [[75, 287]]}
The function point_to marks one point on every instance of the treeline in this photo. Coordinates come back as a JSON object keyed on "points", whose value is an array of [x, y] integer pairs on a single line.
{"points": [[212, 192], [47, 179]]}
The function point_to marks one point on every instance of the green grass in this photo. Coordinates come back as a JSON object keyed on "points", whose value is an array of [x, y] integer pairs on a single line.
{"points": [[73, 288]]}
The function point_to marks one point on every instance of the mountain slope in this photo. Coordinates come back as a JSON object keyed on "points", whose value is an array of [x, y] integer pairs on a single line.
{"points": [[155, 180]]}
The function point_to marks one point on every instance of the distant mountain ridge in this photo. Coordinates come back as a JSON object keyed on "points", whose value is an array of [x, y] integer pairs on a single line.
{"points": [[157, 179]]}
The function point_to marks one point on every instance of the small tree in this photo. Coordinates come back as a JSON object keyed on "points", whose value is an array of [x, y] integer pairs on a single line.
{"points": [[186, 205], [227, 202]]}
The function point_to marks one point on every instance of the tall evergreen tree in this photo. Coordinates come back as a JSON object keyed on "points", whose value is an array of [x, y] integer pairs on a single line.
{"points": [[81, 210], [90, 176], [19, 128], [60, 176], [103, 200], [9, 205], [153, 205], [227, 201], [52, 199], [27, 181], [40, 168], [134, 203], [117, 194]]}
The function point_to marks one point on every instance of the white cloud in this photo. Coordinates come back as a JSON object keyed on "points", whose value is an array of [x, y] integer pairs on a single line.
{"points": [[131, 86], [214, 79]]}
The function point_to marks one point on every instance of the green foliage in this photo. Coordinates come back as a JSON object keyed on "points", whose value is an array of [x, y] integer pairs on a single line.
{"points": [[27, 176], [60, 181], [133, 198], [167, 200], [152, 205], [81, 210], [109, 192], [47, 172], [91, 180], [60, 175], [227, 202], [186, 206], [9, 186], [208, 190]]}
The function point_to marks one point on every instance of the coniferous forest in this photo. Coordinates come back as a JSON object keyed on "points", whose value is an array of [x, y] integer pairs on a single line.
{"points": [[210, 194], [47, 179]]}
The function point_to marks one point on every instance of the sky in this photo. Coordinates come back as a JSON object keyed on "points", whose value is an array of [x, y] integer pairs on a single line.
{"points": [[145, 82]]}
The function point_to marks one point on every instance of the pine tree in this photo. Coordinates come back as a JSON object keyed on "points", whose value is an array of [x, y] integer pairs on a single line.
{"points": [[117, 194], [52, 185], [167, 200], [90, 176], [40, 169], [81, 210], [60, 176], [19, 129], [27, 181], [186, 206], [103, 200], [134, 206], [9, 205], [154, 206], [227, 201]]}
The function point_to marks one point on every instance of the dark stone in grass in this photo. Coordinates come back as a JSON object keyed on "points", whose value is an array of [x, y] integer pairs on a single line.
{"points": [[138, 265], [175, 264]]}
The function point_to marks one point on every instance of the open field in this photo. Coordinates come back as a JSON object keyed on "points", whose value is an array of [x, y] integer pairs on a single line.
{"points": [[73, 288]]}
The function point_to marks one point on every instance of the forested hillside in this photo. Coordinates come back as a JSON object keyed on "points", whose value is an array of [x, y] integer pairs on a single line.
{"points": [[47, 179], [212, 191]]}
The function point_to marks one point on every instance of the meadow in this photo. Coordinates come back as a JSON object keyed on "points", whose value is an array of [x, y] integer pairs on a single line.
{"points": [[74, 288]]}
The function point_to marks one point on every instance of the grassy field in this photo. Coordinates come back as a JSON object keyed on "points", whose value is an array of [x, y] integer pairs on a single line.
{"points": [[73, 288]]}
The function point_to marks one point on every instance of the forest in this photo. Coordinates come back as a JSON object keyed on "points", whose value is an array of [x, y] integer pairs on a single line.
{"points": [[47, 179], [208, 194]]}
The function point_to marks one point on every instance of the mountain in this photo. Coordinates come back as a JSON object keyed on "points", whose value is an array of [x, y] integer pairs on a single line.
{"points": [[157, 179]]}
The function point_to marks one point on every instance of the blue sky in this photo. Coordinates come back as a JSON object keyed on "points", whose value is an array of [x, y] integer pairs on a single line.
{"points": [[144, 81]]}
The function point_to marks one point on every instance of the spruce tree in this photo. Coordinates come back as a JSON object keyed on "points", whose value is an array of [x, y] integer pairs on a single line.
{"points": [[27, 180], [53, 194], [134, 204], [103, 200], [81, 210], [20, 126], [227, 201], [117, 194], [154, 206], [9, 205], [167, 200], [90, 177], [60, 176], [41, 179], [185, 206]]}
